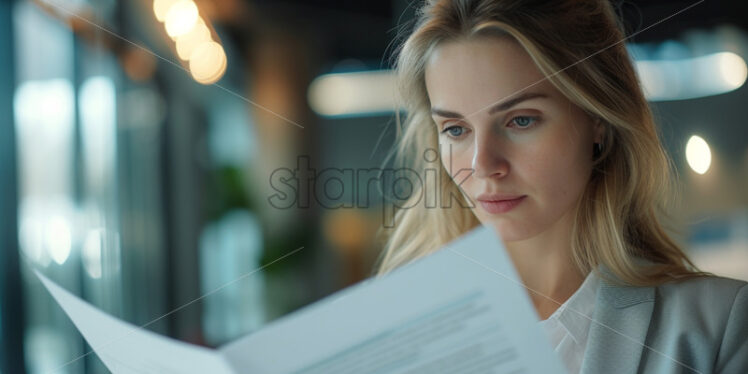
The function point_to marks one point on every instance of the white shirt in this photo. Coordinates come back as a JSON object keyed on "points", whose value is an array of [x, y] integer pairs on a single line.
{"points": [[569, 325]]}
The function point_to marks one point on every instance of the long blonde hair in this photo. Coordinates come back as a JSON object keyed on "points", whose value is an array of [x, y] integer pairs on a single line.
{"points": [[578, 46]]}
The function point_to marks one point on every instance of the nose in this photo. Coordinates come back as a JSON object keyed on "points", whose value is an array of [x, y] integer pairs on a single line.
{"points": [[489, 158]]}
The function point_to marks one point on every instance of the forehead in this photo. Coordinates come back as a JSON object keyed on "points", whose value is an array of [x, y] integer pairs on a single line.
{"points": [[472, 74]]}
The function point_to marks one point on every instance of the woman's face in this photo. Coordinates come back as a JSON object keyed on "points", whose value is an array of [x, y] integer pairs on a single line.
{"points": [[525, 150]]}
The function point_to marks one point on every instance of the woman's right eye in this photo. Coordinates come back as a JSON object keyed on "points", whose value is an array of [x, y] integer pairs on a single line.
{"points": [[454, 131]]}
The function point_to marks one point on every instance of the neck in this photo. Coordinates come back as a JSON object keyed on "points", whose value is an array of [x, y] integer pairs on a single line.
{"points": [[545, 267]]}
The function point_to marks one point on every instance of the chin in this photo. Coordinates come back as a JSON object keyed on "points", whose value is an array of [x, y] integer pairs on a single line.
{"points": [[508, 237], [508, 231]]}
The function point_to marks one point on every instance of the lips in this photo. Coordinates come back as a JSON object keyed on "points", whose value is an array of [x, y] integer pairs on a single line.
{"points": [[498, 197], [497, 204]]}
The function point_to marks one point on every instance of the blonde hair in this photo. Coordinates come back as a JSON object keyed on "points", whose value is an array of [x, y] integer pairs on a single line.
{"points": [[578, 46]]}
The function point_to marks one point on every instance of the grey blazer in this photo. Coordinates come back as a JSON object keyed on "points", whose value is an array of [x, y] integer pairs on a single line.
{"points": [[693, 326]]}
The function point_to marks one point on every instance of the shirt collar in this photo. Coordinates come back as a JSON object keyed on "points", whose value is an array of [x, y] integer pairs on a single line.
{"points": [[575, 315]]}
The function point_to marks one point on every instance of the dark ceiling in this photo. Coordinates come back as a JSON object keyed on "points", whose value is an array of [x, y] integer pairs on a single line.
{"points": [[668, 19], [365, 29]]}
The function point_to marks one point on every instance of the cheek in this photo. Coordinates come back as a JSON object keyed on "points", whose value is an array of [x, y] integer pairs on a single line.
{"points": [[454, 159], [559, 168]]}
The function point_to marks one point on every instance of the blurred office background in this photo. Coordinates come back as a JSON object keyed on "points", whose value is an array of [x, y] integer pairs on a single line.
{"points": [[138, 142]]}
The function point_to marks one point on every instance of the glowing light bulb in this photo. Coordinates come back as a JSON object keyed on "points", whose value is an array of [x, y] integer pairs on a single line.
{"points": [[733, 69], [187, 43], [181, 18], [58, 238], [698, 155], [208, 62], [688, 78], [353, 93], [161, 8]]}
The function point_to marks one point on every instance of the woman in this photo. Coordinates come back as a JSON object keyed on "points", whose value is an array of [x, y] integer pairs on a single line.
{"points": [[540, 102]]}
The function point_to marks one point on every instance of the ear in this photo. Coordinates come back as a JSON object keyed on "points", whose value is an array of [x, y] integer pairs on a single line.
{"points": [[598, 130]]}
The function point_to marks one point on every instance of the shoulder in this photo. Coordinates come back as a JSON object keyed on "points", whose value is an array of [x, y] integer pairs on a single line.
{"points": [[709, 300], [700, 322], [710, 311], [711, 291]]}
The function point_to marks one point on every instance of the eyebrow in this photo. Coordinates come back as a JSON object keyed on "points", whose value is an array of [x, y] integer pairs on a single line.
{"points": [[500, 107]]}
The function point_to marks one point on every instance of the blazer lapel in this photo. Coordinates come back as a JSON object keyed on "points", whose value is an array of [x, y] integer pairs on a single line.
{"points": [[618, 330]]}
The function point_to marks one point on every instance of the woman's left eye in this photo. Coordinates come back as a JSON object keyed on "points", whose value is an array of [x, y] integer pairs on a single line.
{"points": [[524, 122]]}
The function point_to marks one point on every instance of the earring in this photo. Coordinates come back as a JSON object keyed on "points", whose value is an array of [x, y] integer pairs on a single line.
{"points": [[597, 150]]}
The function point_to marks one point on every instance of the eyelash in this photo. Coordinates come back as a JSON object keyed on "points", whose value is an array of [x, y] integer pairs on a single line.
{"points": [[532, 118]]}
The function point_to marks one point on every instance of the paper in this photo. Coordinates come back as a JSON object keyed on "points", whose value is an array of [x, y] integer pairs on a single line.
{"points": [[125, 348], [459, 310]]}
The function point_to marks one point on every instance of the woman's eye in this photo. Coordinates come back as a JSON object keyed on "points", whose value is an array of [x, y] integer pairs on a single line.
{"points": [[454, 131], [524, 122]]}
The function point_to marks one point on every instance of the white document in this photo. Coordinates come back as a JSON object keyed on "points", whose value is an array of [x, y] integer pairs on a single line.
{"points": [[461, 310]]}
